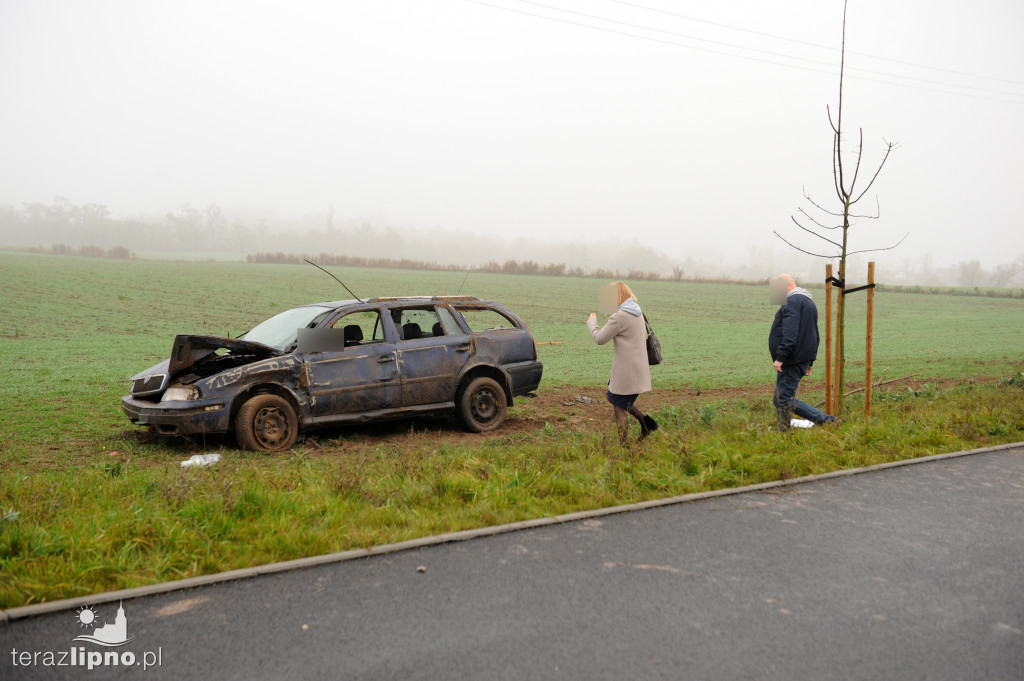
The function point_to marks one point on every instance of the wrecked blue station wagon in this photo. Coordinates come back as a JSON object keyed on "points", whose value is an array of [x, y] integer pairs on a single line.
{"points": [[333, 363]]}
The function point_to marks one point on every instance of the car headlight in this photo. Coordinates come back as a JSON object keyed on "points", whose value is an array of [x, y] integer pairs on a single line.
{"points": [[178, 393]]}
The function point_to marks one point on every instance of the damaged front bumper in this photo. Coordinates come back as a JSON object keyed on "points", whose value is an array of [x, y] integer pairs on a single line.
{"points": [[179, 417]]}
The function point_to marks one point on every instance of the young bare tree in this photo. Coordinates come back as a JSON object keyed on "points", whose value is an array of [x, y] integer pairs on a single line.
{"points": [[849, 195]]}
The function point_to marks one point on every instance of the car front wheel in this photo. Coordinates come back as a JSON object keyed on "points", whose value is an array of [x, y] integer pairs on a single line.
{"points": [[266, 422], [482, 405]]}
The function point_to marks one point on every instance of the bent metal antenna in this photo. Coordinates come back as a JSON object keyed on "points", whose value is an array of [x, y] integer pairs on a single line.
{"points": [[464, 281], [335, 279]]}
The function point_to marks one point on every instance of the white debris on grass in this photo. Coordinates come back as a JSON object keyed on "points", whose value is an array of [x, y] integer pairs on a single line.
{"points": [[200, 460]]}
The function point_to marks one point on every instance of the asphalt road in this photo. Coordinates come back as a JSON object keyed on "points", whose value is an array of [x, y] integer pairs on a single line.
{"points": [[906, 573]]}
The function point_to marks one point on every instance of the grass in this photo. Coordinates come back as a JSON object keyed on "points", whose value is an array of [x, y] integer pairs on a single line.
{"points": [[121, 522], [76, 519]]}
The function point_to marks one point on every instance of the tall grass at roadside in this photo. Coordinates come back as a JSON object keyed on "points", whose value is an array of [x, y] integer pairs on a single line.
{"points": [[115, 524]]}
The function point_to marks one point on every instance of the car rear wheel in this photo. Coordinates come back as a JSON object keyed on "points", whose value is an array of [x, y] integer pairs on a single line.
{"points": [[482, 405], [266, 422]]}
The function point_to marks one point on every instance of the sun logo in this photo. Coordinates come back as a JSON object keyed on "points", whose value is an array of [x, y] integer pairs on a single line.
{"points": [[103, 633], [86, 616]]}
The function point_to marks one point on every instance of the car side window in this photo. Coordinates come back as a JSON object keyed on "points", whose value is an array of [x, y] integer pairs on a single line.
{"points": [[451, 327], [361, 328], [417, 322], [485, 319]]}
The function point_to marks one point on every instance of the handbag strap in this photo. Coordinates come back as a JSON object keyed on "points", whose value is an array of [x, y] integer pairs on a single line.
{"points": [[647, 324]]}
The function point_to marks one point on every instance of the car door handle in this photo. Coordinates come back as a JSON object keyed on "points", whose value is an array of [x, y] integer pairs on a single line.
{"points": [[386, 358], [462, 348]]}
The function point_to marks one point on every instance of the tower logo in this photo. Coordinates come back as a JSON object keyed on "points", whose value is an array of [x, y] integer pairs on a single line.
{"points": [[106, 634]]}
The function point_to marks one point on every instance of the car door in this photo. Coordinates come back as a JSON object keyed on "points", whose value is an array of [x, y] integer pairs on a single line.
{"points": [[431, 349], [359, 373], [497, 338], [458, 338]]}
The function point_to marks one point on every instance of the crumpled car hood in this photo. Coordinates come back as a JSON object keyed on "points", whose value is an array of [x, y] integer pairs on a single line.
{"points": [[160, 368], [191, 349]]}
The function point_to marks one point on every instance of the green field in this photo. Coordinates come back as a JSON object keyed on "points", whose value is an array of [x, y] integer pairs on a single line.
{"points": [[75, 519]]}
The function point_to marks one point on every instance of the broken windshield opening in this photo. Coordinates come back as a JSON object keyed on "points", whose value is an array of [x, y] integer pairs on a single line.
{"points": [[280, 330]]}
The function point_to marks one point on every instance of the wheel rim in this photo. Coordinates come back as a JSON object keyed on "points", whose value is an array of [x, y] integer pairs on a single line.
{"points": [[484, 406], [270, 427]]}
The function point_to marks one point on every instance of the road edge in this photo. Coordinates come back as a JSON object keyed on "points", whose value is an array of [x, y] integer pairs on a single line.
{"points": [[25, 611]]}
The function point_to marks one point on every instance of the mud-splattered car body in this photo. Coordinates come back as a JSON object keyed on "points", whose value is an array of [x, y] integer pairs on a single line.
{"points": [[342, 362]]}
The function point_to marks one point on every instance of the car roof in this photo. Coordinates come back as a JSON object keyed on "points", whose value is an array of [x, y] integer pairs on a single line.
{"points": [[401, 299]]}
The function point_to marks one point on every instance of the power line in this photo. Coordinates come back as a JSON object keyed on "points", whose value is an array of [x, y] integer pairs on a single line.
{"points": [[810, 44], [643, 37], [671, 33], [762, 51], [741, 56]]}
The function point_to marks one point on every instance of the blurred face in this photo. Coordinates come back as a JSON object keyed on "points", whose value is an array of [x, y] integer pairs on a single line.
{"points": [[777, 291], [608, 299]]}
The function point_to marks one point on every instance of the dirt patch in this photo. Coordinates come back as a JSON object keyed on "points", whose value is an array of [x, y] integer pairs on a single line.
{"points": [[558, 406], [576, 408], [562, 397]]}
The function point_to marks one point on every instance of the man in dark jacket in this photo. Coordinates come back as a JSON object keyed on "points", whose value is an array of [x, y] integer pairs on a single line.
{"points": [[793, 344]]}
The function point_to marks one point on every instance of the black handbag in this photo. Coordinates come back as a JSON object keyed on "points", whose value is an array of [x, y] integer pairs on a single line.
{"points": [[653, 345]]}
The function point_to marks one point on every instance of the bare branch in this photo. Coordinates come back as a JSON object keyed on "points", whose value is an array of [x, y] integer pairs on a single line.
{"points": [[817, 255], [842, 71], [811, 231], [811, 218], [844, 196], [860, 157], [828, 110], [888, 150], [823, 210], [878, 212], [837, 168], [887, 248]]}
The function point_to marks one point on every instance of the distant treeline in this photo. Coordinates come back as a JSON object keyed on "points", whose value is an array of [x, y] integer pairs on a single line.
{"points": [[91, 230], [976, 291], [530, 267], [527, 267], [117, 252], [212, 232]]}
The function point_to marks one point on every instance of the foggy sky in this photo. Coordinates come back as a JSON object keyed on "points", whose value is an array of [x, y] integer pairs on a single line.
{"points": [[453, 114]]}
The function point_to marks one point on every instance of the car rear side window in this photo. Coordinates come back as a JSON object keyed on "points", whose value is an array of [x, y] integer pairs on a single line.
{"points": [[485, 319], [451, 327], [417, 322]]}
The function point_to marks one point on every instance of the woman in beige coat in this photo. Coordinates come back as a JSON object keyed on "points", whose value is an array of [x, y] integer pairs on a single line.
{"points": [[631, 372]]}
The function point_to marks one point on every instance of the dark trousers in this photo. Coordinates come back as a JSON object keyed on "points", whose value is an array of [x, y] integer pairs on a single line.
{"points": [[784, 399]]}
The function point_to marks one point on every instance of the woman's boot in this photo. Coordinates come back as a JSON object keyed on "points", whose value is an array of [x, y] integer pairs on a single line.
{"points": [[647, 424]]}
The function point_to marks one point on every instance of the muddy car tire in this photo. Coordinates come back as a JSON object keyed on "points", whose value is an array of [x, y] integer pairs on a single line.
{"points": [[482, 405], [266, 423]]}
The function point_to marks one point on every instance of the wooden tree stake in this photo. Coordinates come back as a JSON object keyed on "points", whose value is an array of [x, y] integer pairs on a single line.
{"points": [[870, 345], [829, 403], [839, 358]]}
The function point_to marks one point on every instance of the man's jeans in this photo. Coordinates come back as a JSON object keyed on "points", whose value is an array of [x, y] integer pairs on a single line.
{"points": [[786, 404]]}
